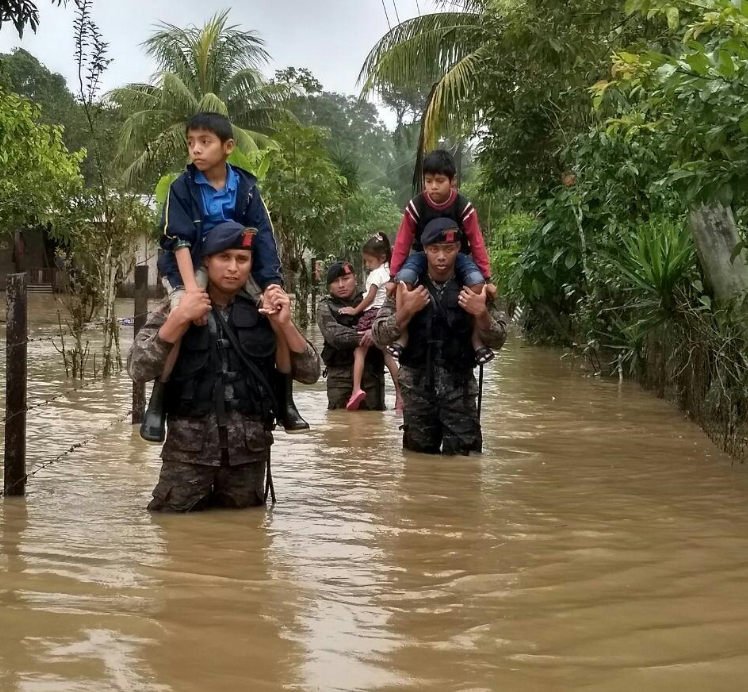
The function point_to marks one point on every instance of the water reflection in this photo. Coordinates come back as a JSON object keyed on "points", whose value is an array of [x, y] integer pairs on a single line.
{"points": [[219, 602], [598, 544]]}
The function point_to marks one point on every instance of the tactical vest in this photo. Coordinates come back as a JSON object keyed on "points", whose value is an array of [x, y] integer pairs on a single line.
{"points": [[208, 362], [423, 212], [441, 333], [337, 357]]}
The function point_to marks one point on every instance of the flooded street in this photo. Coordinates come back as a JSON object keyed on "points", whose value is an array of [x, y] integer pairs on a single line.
{"points": [[599, 543]]}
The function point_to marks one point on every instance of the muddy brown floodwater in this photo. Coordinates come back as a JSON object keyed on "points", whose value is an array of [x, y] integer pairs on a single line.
{"points": [[600, 543]]}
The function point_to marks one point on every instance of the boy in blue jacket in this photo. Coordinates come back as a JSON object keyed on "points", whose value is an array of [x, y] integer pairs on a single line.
{"points": [[210, 192]]}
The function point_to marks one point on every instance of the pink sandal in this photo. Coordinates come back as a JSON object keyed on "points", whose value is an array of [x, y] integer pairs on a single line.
{"points": [[357, 398]]}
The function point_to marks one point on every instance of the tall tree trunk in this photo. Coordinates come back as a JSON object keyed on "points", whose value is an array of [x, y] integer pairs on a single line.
{"points": [[421, 150], [716, 238], [302, 295]]}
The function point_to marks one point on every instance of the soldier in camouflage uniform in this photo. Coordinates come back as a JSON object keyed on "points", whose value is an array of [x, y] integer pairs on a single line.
{"points": [[219, 400], [341, 339], [436, 367]]}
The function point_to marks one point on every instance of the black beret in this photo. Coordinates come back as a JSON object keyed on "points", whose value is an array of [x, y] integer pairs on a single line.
{"points": [[441, 230], [337, 270], [228, 235]]}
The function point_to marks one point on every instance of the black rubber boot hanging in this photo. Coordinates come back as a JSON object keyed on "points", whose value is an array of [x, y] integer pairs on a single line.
{"points": [[288, 415], [153, 427]]}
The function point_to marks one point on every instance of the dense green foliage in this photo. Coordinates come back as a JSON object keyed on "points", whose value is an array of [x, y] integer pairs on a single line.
{"points": [[602, 127], [22, 73], [21, 13], [316, 212], [358, 138], [39, 174]]}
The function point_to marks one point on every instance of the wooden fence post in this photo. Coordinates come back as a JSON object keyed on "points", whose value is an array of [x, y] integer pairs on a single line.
{"points": [[16, 340], [141, 310]]}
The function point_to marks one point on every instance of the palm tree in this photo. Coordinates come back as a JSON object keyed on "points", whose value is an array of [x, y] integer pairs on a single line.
{"points": [[211, 68], [443, 52]]}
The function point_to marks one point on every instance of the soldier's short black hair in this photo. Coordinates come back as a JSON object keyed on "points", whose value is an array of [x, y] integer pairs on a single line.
{"points": [[439, 162], [217, 123]]}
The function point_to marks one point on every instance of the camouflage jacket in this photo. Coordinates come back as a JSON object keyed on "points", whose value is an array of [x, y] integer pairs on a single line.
{"points": [[334, 333], [195, 440], [385, 329]]}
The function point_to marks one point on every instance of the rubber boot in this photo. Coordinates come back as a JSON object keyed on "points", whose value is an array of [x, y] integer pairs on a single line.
{"points": [[153, 427], [288, 415]]}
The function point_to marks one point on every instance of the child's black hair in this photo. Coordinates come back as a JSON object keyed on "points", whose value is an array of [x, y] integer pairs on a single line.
{"points": [[378, 246], [439, 162], [216, 123]]}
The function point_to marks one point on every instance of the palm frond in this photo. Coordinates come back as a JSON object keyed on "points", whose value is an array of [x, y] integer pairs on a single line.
{"points": [[251, 86], [133, 129], [169, 145], [170, 48], [244, 81], [245, 140], [134, 97], [177, 94], [219, 50], [451, 102], [466, 5], [420, 49], [211, 102]]}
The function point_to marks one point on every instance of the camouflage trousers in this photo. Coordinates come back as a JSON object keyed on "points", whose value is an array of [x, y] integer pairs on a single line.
{"points": [[440, 412], [185, 487]]}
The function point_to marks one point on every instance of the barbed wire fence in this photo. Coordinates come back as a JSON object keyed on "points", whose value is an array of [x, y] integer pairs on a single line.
{"points": [[15, 474]]}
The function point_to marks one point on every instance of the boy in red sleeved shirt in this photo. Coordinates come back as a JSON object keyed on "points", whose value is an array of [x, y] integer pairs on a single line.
{"points": [[440, 199]]}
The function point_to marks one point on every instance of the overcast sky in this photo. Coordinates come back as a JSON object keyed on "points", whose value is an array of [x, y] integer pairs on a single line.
{"points": [[330, 37]]}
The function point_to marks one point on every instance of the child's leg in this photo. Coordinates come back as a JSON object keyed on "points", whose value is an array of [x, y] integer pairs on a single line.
{"points": [[412, 269], [483, 354], [282, 352], [359, 361], [358, 395], [469, 275], [389, 361], [288, 415], [153, 427], [477, 341], [175, 295]]}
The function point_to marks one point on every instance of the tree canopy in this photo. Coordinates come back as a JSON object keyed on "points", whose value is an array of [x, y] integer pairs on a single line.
{"points": [[40, 175], [22, 73], [21, 13]]}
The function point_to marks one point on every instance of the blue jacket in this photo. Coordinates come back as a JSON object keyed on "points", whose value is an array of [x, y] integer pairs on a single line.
{"points": [[182, 221]]}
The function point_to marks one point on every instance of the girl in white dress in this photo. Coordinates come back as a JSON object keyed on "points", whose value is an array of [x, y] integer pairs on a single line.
{"points": [[377, 253]]}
